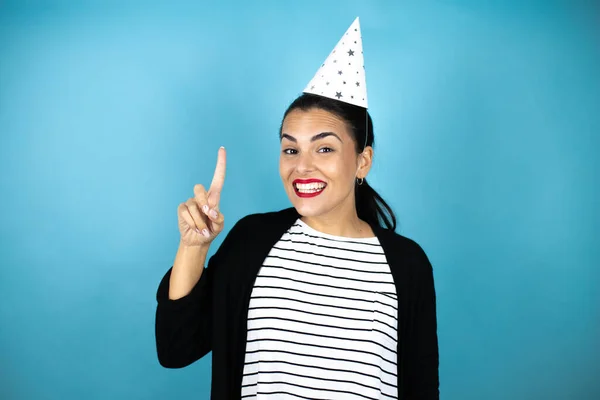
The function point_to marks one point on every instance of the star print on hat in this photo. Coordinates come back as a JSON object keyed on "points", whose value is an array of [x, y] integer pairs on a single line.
{"points": [[342, 75]]}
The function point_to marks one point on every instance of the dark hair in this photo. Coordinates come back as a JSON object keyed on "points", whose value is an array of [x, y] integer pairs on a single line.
{"points": [[370, 206]]}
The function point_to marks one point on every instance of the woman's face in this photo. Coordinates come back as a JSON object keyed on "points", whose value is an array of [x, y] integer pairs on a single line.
{"points": [[318, 162]]}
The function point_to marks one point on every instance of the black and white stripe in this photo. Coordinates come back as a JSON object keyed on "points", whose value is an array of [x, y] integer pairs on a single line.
{"points": [[322, 320]]}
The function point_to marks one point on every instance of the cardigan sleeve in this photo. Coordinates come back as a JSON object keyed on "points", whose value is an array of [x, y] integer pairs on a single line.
{"points": [[183, 327], [423, 367]]}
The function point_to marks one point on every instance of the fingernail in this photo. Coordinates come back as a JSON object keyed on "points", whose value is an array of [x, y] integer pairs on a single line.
{"points": [[213, 213], [222, 147], [205, 232], [197, 230], [205, 209]]}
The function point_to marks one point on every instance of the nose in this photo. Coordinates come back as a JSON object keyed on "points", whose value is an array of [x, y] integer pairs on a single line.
{"points": [[305, 163]]}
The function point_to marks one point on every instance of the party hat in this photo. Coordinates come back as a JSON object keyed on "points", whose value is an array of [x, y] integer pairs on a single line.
{"points": [[342, 75]]}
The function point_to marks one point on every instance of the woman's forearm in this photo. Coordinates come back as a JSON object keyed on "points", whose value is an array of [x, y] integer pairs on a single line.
{"points": [[187, 270]]}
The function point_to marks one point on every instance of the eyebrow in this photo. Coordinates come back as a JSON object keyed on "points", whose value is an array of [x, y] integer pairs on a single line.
{"points": [[319, 136]]}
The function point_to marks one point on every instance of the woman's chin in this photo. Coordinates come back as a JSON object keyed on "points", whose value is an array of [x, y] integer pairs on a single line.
{"points": [[308, 208]]}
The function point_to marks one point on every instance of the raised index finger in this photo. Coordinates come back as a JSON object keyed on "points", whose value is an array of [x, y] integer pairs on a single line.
{"points": [[214, 193]]}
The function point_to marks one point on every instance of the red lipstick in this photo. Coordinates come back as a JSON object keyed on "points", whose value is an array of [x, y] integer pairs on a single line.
{"points": [[309, 193]]}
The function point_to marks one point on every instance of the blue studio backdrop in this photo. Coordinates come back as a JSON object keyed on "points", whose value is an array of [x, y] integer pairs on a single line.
{"points": [[487, 122]]}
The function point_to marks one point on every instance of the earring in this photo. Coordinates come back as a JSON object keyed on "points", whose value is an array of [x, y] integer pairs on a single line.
{"points": [[360, 181]]}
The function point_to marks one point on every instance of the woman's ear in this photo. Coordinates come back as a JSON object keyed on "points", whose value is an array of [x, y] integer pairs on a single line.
{"points": [[365, 160]]}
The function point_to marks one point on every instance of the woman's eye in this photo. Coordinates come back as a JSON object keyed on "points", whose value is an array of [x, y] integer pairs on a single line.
{"points": [[289, 151], [325, 149]]}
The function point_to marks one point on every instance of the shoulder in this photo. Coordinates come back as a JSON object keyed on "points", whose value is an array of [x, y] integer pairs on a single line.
{"points": [[255, 231], [269, 219], [403, 249], [401, 243], [409, 262], [265, 222]]}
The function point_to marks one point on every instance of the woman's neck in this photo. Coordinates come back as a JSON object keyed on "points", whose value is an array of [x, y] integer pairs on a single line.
{"points": [[345, 224]]}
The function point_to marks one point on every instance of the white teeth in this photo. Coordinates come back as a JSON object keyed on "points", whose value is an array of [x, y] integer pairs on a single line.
{"points": [[310, 187]]}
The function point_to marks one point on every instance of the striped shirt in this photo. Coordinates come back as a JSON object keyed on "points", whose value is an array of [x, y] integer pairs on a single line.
{"points": [[322, 320]]}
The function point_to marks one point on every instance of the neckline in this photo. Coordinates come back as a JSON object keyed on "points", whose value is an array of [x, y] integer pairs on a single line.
{"points": [[313, 231]]}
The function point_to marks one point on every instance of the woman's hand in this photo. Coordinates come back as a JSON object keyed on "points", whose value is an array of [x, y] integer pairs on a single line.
{"points": [[200, 220]]}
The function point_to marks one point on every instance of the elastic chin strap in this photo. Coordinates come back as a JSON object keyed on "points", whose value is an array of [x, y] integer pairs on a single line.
{"points": [[366, 128], [366, 135], [366, 138]]}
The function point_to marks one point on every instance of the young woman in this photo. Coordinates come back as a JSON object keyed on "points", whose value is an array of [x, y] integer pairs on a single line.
{"points": [[323, 300]]}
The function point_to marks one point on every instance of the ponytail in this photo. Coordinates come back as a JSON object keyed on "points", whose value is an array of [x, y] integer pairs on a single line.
{"points": [[371, 207]]}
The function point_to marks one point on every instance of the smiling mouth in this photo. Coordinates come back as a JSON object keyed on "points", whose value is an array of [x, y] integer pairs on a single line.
{"points": [[309, 189]]}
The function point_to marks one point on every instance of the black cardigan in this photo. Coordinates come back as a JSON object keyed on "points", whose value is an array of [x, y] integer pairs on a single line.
{"points": [[213, 316]]}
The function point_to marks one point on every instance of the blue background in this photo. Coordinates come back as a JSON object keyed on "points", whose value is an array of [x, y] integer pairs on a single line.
{"points": [[487, 123]]}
